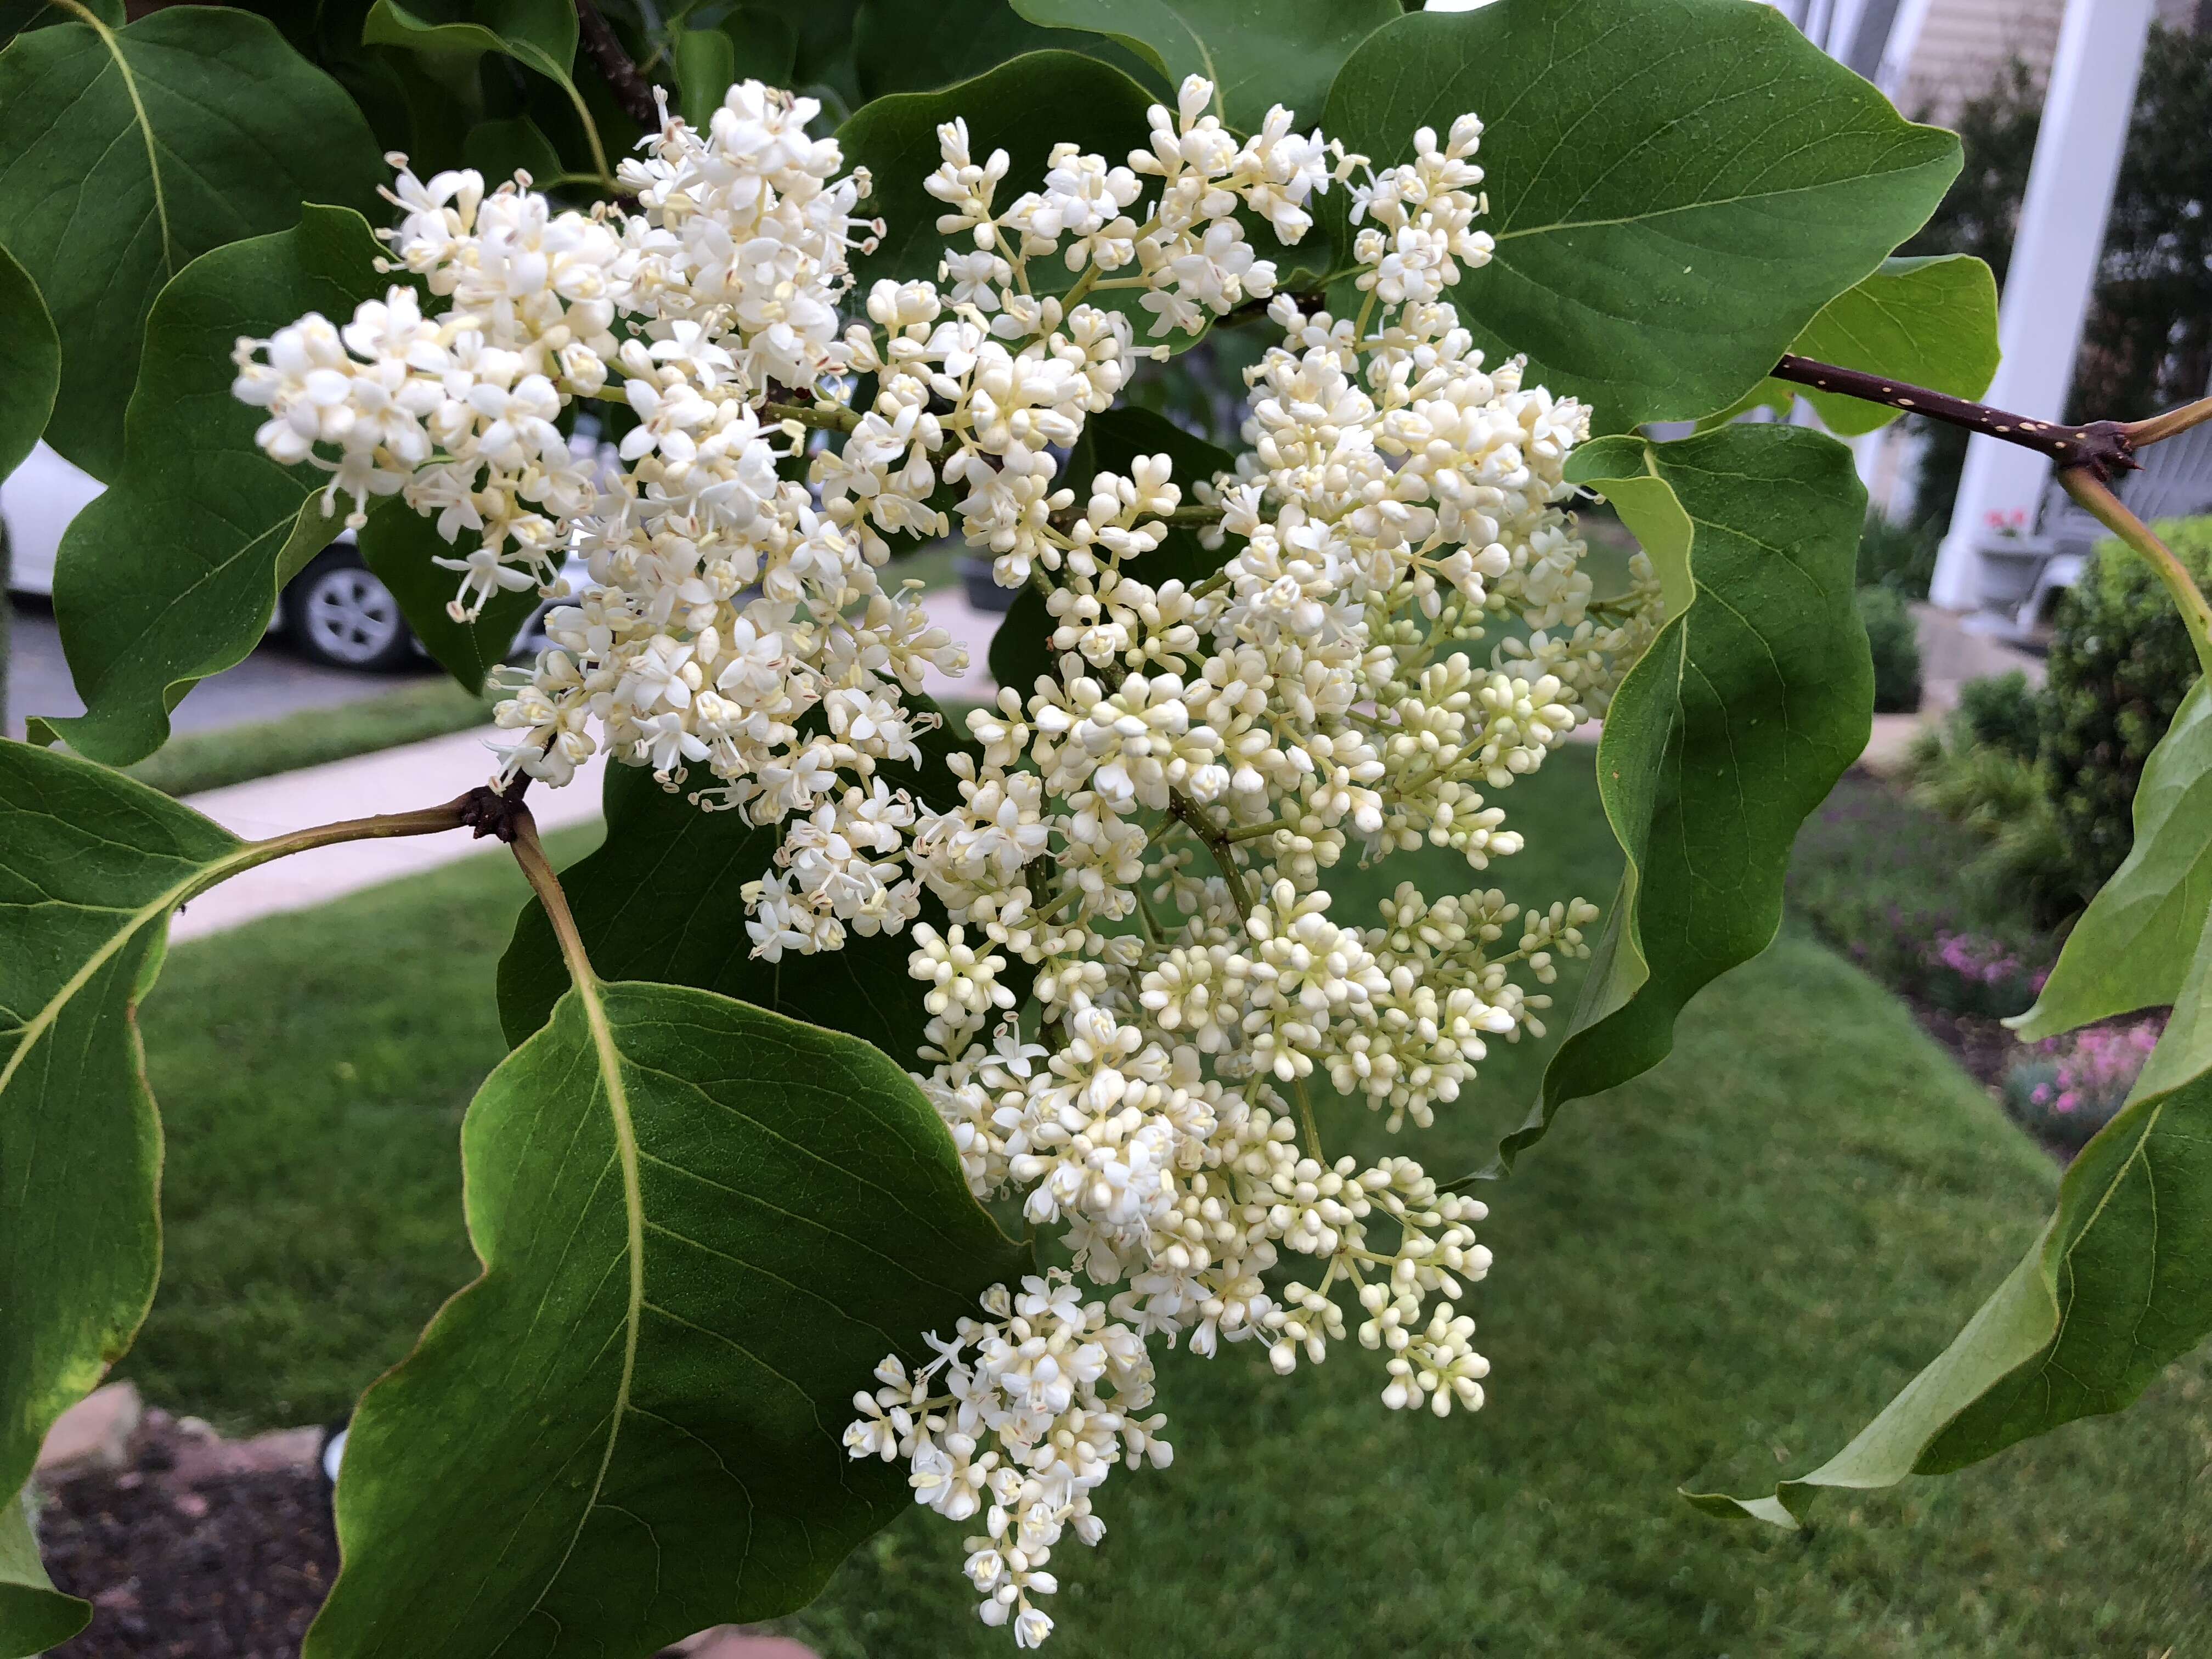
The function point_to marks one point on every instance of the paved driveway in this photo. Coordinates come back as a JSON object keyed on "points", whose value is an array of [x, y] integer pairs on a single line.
{"points": [[271, 681]]}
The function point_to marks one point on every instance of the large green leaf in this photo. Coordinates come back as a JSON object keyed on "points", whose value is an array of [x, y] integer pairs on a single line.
{"points": [[825, 30], [2133, 946], [749, 43], [172, 574], [1676, 186], [899, 46], [498, 149], [539, 32], [1024, 107], [400, 545], [1731, 728], [660, 899], [16, 15], [1020, 652], [2118, 1287], [1929, 322], [30, 363], [33, 1616], [1256, 52], [702, 1225], [91, 864], [125, 154]]}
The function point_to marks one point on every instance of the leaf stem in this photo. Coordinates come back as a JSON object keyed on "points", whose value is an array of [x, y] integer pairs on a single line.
{"points": [[607, 179], [2170, 424], [2180, 587], [537, 870]]}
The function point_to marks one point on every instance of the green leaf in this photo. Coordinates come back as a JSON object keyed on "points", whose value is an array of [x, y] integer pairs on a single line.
{"points": [[400, 545], [1020, 653], [749, 44], [30, 363], [172, 574], [1024, 107], [1929, 322], [498, 148], [124, 155], [1729, 730], [661, 899], [17, 15], [2133, 946], [2113, 1290], [1676, 187], [701, 1226], [899, 46], [825, 30], [33, 1616], [1286, 52], [541, 33], [91, 864]]}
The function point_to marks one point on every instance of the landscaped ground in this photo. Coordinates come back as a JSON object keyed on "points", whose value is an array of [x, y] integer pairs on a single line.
{"points": [[1713, 1276]]}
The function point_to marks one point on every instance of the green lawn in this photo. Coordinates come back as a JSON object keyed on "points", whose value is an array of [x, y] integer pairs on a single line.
{"points": [[1713, 1276], [425, 708]]}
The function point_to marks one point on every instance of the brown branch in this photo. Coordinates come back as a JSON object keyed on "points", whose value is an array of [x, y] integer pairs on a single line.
{"points": [[2086, 458], [631, 89], [2103, 447]]}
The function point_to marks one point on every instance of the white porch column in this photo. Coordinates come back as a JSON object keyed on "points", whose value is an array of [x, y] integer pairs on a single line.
{"points": [[2053, 270]]}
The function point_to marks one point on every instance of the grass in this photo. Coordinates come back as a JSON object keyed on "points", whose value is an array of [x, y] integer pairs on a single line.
{"points": [[312, 1071], [1714, 1275], [427, 707]]}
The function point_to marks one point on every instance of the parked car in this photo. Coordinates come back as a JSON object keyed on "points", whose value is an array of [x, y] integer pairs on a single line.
{"points": [[335, 612]]}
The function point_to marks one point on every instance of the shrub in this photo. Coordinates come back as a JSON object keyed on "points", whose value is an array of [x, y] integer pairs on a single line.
{"points": [[2002, 712], [1897, 556], [1977, 787], [2003, 798], [2069, 1087], [2120, 664], [1976, 973], [1896, 643]]}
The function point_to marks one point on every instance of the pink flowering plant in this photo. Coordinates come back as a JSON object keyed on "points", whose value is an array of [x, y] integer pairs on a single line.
{"points": [[1968, 973], [2071, 1086], [897, 1082]]}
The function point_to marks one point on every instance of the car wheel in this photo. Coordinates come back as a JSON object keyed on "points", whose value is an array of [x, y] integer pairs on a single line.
{"points": [[338, 613]]}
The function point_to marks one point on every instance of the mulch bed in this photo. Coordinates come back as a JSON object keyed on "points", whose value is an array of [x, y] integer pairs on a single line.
{"points": [[182, 1560], [234, 1570], [198, 1549]]}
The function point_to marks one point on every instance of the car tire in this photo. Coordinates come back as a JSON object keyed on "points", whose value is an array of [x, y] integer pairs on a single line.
{"points": [[339, 614]]}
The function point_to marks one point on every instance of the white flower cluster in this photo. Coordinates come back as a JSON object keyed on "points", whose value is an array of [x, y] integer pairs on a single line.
{"points": [[1018, 1420], [1141, 838]]}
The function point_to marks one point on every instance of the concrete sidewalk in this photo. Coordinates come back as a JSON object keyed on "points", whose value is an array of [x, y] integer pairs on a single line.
{"points": [[391, 780]]}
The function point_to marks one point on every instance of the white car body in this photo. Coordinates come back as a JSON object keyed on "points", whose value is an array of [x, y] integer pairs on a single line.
{"points": [[37, 503], [41, 497]]}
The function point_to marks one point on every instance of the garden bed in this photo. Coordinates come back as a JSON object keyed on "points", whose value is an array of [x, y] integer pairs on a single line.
{"points": [[1909, 897], [195, 1549]]}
